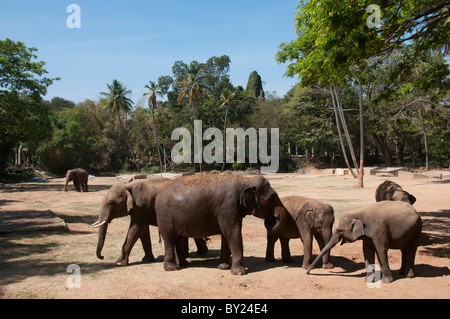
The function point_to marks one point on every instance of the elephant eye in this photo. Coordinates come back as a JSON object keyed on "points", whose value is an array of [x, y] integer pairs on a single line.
{"points": [[111, 203]]}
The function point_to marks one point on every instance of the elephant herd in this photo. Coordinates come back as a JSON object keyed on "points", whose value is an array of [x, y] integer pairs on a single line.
{"points": [[202, 205]]}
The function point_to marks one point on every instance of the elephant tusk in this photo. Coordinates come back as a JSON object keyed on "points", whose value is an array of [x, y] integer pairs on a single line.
{"points": [[97, 224]]}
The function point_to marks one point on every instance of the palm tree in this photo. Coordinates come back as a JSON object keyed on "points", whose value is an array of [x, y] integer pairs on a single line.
{"points": [[154, 90], [116, 101], [193, 89], [227, 98]]}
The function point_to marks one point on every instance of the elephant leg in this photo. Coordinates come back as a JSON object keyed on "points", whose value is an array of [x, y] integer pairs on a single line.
{"points": [[408, 259], [180, 247], [326, 258], [307, 249], [271, 240], [202, 248], [134, 232], [185, 242], [369, 256], [237, 250], [381, 247], [147, 246], [285, 251], [225, 254], [169, 253]]}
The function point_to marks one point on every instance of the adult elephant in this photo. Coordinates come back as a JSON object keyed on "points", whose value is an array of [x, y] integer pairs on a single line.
{"points": [[207, 204], [381, 226], [136, 199], [307, 218], [79, 177]]}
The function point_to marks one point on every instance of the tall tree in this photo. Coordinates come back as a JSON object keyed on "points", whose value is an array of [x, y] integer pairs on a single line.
{"points": [[228, 98], [192, 89], [23, 116], [116, 101], [254, 86], [155, 90]]}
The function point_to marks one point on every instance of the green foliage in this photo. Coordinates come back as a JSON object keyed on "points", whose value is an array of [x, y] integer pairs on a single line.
{"points": [[24, 119], [254, 86]]}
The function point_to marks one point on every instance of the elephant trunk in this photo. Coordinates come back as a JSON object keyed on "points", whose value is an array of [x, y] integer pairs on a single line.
{"points": [[279, 220], [67, 183], [333, 241], [101, 240]]}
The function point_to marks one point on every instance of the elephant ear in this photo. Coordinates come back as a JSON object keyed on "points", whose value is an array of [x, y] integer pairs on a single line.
{"points": [[130, 201], [308, 214], [357, 229], [247, 197], [412, 199]]}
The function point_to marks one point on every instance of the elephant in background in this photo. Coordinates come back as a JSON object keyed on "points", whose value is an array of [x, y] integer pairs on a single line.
{"points": [[381, 226], [307, 218], [392, 191], [79, 177], [136, 199], [202, 205]]}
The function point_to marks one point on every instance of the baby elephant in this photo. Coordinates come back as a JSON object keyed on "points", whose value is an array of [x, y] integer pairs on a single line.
{"points": [[392, 191], [381, 226], [307, 218]]}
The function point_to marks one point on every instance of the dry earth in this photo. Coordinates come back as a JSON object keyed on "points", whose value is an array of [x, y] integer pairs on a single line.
{"points": [[34, 263]]}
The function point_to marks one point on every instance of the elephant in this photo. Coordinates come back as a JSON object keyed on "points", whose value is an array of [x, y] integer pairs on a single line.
{"points": [[392, 191], [381, 226], [307, 218], [208, 204], [79, 177], [136, 199]]}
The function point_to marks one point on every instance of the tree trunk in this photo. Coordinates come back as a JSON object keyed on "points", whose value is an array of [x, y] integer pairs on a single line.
{"points": [[225, 131], [425, 141], [341, 140], [128, 142], [155, 129], [361, 137]]}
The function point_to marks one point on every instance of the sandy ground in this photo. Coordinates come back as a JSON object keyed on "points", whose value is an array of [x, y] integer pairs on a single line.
{"points": [[35, 264]]}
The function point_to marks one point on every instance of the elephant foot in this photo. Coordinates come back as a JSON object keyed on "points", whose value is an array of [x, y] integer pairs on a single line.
{"points": [[306, 265], [239, 270], [121, 263], [288, 259], [411, 274], [202, 251], [224, 266], [171, 267], [184, 263], [148, 259], [328, 266], [387, 279], [270, 259]]}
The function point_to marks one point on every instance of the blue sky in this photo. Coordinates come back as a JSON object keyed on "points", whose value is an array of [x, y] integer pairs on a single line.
{"points": [[138, 41]]}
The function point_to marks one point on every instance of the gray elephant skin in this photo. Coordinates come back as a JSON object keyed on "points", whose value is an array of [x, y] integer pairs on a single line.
{"points": [[79, 177], [136, 199], [381, 226], [392, 191], [207, 204], [307, 218]]}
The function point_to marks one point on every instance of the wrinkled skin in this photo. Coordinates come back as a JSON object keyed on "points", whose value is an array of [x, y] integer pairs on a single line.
{"points": [[381, 226], [307, 218], [392, 191], [79, 177], [136, 199], [207, 204]]}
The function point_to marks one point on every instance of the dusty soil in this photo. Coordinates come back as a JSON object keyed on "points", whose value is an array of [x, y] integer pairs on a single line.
{"points": [[34, 264]]}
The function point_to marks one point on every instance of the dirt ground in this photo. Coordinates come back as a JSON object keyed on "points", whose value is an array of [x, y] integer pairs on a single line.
{"points": [[34, 264]]}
